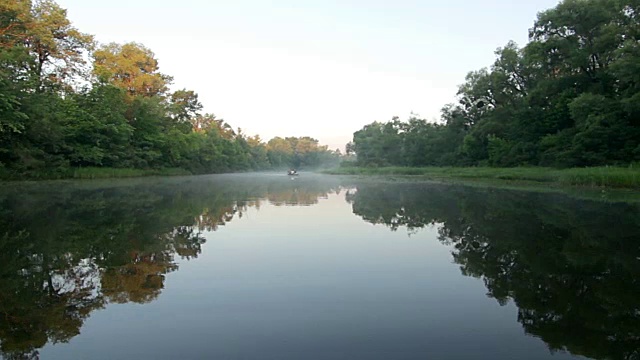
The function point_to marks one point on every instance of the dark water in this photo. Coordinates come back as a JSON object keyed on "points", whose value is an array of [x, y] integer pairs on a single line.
{"points": [[265, 267]]}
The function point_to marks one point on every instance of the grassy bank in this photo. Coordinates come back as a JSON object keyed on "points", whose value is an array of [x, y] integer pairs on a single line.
{"points": [[103, 173], [93, 173], [612, 177]]}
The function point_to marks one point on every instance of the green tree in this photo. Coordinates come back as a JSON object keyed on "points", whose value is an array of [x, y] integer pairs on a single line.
{"points": [[280, 152], [185, 105], [96, 130], [568, 98]]}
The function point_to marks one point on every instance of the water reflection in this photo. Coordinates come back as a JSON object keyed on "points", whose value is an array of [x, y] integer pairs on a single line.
{"points": [[67, 250], [572, 267]]}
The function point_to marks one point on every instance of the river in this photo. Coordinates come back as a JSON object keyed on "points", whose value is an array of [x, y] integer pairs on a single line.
{"points": [[266, 266]]}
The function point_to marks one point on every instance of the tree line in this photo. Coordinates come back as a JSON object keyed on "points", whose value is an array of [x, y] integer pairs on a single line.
{"points": [[68, 102], [569, 97]]}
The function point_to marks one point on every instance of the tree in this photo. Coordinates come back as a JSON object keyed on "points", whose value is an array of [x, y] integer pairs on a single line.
{"points": [[96, 130], [185, 105], [14, 17], [280, 152], [568, 98], [57, 46], [132, 67]]}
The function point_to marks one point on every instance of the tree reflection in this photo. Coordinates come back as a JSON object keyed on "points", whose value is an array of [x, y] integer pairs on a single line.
{"points": [[42, 298], [139, 281], [66, 251], [571, 266], [296, 196]]}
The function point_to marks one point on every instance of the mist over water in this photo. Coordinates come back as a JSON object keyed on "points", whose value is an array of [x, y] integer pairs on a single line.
{"points": [[268, 266]]}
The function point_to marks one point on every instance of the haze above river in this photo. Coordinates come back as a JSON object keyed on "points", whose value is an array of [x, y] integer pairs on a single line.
{"points": [[266, 266]]}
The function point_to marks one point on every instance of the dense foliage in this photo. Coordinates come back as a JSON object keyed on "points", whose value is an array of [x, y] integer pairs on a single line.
{"points": [[570, 97], [58, 111]]}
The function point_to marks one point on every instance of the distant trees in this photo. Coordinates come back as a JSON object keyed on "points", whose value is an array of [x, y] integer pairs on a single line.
{"points": [[300, 152], [568, 98]]}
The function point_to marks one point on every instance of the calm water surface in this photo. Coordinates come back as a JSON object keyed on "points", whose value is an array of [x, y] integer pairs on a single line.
{"points": [[260, 266]]}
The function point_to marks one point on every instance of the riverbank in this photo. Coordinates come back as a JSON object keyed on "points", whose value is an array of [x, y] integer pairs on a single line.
{"points": [[93, 173], [606, 177]]}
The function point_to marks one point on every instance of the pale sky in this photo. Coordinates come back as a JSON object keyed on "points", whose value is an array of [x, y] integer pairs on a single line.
{"points": [[314, 68]]}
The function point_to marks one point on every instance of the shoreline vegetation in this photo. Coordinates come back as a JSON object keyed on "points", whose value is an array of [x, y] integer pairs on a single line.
{"points": [[557, 102], [567, 99], [600, 177], [87, 173], [74, 108]]}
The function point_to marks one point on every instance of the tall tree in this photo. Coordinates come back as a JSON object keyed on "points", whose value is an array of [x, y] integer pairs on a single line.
{"points": [[185, 105], [132, 67], [58, 47]]}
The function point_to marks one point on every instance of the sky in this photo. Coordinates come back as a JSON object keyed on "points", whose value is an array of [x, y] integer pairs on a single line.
{"points": [[314, 68]]}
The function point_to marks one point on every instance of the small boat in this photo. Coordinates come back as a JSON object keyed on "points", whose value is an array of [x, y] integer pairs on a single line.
{"points": [[292, 172]]}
